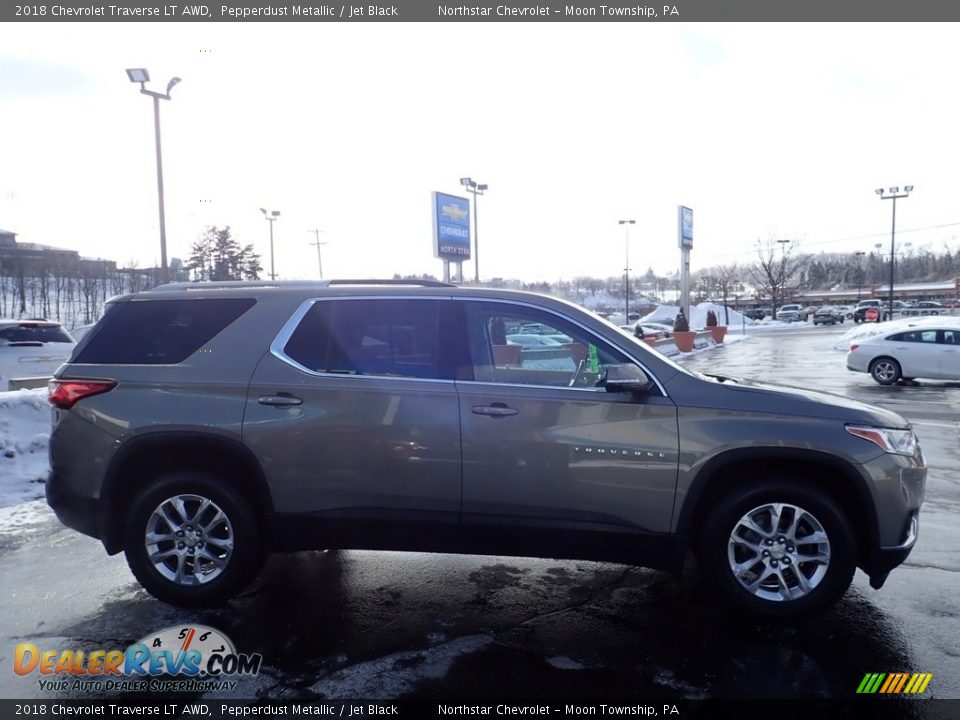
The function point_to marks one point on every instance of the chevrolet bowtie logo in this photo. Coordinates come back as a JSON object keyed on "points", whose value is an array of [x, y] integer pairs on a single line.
{"points": [[454, 212]]}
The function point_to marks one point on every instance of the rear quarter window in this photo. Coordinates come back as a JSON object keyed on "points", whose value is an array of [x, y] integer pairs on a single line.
{"points": [[159, 332]]}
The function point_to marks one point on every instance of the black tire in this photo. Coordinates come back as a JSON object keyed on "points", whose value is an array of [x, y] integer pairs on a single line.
{"points": [[885, 370], [828, 581], [239, 528]]}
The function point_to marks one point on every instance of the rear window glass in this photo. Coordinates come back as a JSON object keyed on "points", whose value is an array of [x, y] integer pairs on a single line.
{"points": [[28, 332], [160, 332]]}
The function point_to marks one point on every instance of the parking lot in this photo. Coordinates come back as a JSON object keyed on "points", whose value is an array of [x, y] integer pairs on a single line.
{"points": [[388, 625]]}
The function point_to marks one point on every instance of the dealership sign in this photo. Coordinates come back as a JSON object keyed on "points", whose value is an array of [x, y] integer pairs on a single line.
{"points": [[685, 226], [451, 227]]}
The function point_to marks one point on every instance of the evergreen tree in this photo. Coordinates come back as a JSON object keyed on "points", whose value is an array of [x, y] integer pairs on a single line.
{"points": [[216, 255]]}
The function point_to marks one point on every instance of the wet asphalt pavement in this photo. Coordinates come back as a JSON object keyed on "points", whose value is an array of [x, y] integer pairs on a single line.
{"points": [[388, 625]]}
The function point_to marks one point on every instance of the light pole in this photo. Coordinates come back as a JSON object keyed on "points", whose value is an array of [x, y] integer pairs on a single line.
{"points": [[859, 254], [318, 244], [783, 269], [626, 271], [892, 194], [140, 75], [477, 189], [271, 218]]}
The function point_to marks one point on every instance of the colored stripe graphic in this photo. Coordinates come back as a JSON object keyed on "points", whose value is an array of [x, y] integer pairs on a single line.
{"points": [[894, 683]]}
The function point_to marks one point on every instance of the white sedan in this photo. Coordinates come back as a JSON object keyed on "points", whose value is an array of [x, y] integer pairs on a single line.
{"points": [[931, 351]]}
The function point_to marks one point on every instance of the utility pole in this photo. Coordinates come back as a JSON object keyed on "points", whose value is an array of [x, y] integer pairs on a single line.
{"points": [[317, 242]]}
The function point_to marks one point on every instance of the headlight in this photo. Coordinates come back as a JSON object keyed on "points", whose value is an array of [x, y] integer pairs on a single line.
{"points": [[899, 442]]}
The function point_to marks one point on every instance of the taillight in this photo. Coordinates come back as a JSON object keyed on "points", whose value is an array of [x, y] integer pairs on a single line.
{"points": [[853, 347], [66, 393]]}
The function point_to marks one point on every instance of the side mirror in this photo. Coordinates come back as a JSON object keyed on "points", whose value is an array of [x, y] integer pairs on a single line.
{"points": [[626, 378]]}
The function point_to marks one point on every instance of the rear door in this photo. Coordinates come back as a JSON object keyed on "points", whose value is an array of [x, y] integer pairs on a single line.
{"points": [[552, 463], [949, 342], [918, 353], [354, 418]]}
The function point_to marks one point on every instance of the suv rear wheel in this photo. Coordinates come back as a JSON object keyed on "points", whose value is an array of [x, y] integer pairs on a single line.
{"points": [[192, 540], [778, 549]]}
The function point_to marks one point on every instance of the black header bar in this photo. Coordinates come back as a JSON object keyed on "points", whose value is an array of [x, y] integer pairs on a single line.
{"points": [[534, 11]]}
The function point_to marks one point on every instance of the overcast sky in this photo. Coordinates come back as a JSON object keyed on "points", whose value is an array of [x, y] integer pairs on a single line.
{"points": [[780, 130]]}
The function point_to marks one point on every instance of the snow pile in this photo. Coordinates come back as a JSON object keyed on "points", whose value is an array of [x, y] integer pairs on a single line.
{"points": [[698, 315], [24, 436], [865, 330]]}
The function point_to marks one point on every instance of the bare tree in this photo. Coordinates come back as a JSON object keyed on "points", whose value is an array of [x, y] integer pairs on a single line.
{"points": [[775, 269]]}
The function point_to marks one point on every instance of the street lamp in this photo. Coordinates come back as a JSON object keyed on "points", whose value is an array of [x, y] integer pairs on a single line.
{"points": [[477, 189], [271, 218], [892, 194], [859, 254], [626, 271], [140, 75], [318, 244]]}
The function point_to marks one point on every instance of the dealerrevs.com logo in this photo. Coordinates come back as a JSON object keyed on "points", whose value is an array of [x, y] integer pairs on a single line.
{"points": [[186, 658]]}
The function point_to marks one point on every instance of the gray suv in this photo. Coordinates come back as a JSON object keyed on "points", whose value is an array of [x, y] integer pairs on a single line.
{"points": [[198, 427]]}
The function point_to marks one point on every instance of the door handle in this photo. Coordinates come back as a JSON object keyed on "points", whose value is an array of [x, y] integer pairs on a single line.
{"points": [[495, 410], [282, 400]]}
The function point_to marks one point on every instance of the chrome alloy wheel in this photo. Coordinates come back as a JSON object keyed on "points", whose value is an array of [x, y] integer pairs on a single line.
{"points": [[884, 371], [189, 539], [778, 552]]}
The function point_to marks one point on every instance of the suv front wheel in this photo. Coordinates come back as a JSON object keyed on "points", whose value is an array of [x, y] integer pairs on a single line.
{"points": [[192, 540], [778, 549]]}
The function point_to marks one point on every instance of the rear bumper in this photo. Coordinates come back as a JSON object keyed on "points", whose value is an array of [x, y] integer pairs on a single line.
{"points": [[72, 509]]}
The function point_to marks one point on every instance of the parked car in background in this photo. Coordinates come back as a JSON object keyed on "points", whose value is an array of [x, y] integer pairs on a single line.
{"points": [[828, 314], [927, 307], [931, 351], [792, 313], [810, 310], [30, 352], [860, 311], [758, 313], [846, 310]]}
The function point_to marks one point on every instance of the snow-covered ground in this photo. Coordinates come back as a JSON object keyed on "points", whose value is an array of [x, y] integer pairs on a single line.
{"points": [[865, 330], [24, 465]]}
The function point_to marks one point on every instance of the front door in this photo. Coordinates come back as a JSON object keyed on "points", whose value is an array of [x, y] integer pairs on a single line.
{"points": [[552, 462]]}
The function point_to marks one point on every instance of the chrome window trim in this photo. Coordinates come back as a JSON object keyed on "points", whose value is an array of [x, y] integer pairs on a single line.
{"points": [[283, 337]]}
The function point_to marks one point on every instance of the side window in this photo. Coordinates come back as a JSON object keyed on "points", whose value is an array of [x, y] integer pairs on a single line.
{"points": [[160, 332], [916, 336], [370, 337], [951, 337], [526, 346]]}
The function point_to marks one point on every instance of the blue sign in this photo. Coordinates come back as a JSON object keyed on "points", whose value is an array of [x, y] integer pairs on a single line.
{"points": [[451, 227], [686, 227]]}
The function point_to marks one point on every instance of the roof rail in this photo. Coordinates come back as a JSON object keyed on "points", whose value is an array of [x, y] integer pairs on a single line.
{"points": [[392, 281], [207, 285]]}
